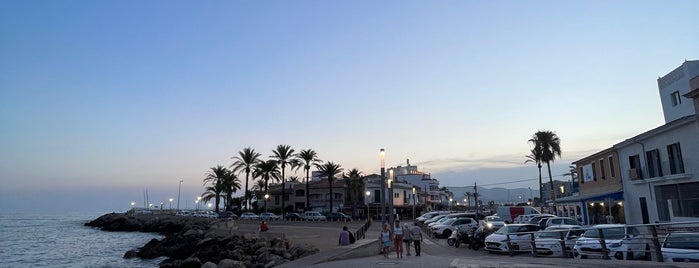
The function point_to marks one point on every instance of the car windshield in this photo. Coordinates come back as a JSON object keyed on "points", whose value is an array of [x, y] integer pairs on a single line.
{"points": [[555, 233], [683, 241], [448, 221], [609, 233], [507, 229]]}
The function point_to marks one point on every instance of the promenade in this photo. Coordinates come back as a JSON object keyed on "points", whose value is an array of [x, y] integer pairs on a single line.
{"points": [[435, 253]]}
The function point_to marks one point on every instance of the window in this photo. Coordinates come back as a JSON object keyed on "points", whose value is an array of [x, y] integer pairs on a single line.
{"points": [[580, 175], [683, 197], [601, 167], [675, 155], [300, 193], [377, 196], [612, 173], [396, 195], [653, 159], [594, 172], [675, 98], [635, 164]]}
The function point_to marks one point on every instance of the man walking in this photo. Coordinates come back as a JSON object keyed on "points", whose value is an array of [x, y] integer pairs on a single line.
{"points": [[416, 235]]}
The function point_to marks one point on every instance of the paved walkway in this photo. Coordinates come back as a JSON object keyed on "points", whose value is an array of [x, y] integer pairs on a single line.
{"points": [[435, 253]]}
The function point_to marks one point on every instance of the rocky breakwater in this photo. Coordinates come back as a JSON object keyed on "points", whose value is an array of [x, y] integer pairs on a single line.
{"points": [[203, 242]]}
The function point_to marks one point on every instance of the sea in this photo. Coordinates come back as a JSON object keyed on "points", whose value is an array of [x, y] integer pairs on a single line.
{"points": [[62, 240]]}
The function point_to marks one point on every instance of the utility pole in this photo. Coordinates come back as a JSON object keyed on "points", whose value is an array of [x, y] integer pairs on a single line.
{"points": [[475, 198]]}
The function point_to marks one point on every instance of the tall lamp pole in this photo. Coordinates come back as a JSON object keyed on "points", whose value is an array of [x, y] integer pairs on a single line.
{"points": [[368, 198], [179, 190], [382, 155], [414, 203], [391, 217]]}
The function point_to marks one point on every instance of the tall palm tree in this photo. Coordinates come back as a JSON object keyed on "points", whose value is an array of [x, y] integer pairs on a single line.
{"points": [[231, 184], [216, 176], [307, 158], [535, 157], [330, 170], [355, 185], [550, 147], [266, 171], [284, 156], [244, 162]]}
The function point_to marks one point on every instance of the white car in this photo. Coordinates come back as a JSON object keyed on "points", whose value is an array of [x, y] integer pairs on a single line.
{"points": [[492, 221], [681, 247], [548, 241], [450, 225], [434, 219], [520, 238], [438, 222], [249, 216], [622, 242], [269, 216], [313, 216], [553, 221]]}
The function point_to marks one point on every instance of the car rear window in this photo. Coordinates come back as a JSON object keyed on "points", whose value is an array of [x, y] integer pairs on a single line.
{"points": [[682, 241]]}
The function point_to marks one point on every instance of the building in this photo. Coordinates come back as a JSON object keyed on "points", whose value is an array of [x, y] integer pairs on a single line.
{"points": [[436, 198], [600, 198], [673, 86]]}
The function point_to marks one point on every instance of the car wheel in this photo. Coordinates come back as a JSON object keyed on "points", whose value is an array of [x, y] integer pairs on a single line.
{"points": [[629, 255], [457, 244], [451, 241]]}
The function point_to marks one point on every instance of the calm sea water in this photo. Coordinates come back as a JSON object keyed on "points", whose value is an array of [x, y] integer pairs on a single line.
{"points": [[33, 240]]}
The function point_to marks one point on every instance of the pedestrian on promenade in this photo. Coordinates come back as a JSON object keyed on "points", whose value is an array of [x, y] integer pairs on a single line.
{"points": [[385, 237], [263, 227], [416, 235], [398, 239], [407, 238], [344, 237]]}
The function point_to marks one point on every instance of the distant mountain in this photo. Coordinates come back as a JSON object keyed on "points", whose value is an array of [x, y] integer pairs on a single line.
{"points": [[499, 195]]}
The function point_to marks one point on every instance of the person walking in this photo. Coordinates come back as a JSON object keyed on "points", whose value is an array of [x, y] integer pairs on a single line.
{"points": [[407, 238], [385, 237], [416, 235], [344, 237], [398, 239]]}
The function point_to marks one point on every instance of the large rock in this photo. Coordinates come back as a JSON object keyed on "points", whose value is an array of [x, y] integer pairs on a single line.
{"points": [[209, 264], [191, 263], [228, 263]]}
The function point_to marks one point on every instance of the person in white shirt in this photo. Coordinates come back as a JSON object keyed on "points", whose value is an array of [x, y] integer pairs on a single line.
{"points": [[416, 235]]}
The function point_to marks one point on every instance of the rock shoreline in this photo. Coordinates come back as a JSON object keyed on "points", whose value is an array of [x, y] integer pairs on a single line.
{"points": [[202, 242]]}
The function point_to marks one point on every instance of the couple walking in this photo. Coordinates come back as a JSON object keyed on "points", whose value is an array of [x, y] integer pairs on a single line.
{"points": [[399, 235]]}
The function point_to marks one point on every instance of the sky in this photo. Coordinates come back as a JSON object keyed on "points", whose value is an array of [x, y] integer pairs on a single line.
{"points": [[100, 100]]}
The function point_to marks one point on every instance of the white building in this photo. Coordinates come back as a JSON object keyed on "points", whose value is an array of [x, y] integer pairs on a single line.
{"points": [[410, 174], [660, 168]]}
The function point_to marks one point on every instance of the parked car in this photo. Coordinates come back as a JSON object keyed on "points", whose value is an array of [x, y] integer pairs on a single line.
{"points": [[520, 237], [430, 215], [536, 219], [313, 216], [524, 218], [492, 221], [227, 215], [183, 213], [548, 241], [338, 216], [294, 216], [269, 216], [249, 216], [681, 247], [622, 242], [553, 221], [434, 219], [440, 221], [450, 225]]}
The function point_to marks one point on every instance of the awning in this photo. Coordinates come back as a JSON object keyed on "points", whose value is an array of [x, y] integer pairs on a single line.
{"points": [[584, 198]]}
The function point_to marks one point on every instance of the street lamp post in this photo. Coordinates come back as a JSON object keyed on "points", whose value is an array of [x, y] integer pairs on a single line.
{"points": [[414, 203], [266, 197], [133, 206], [197, 202], [382, 155], [171, 199], [391, 217], [368, 198], [161, 205], [179, 190]]}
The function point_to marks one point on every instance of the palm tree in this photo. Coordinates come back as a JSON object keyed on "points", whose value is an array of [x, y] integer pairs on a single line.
{"points": [[329, 170], [294, 179], [535, 157], [307, 158], [267, 170], [258, 191], [231, 184], [550, 146], [355, 187], [216, 176], [246, 159], [284, 155]]}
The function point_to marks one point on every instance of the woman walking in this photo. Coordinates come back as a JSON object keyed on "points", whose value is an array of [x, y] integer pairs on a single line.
{"points": [[398, 239], [407, 238], [385, 237]]}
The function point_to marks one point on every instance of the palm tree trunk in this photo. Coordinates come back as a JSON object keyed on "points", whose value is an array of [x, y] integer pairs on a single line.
{"points": [[330, 182], [308, 200], [541, 188], [247, 176], [283, 195], [553, 194], [218, 197]]}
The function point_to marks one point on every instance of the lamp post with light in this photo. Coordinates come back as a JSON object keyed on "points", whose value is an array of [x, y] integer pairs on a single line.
{"points": [[133, 206], [391, 217], [171, 199], [179, 190], [266, 197], [197, 202], [382, 155], [414, 203], [368, 198]]}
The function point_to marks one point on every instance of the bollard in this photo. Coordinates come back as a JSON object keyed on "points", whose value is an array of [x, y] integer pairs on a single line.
{"points": [[533, 245], [656, 243], [605, 252], [563, 245]]}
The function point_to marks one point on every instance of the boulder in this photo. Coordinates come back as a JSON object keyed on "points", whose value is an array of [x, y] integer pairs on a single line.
{"points": [[228, 263], [191, 263], [130, 254], [209, 264]]}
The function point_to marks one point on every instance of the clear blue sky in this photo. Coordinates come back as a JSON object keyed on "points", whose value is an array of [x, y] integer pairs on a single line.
{"points": [[102, 99]]}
